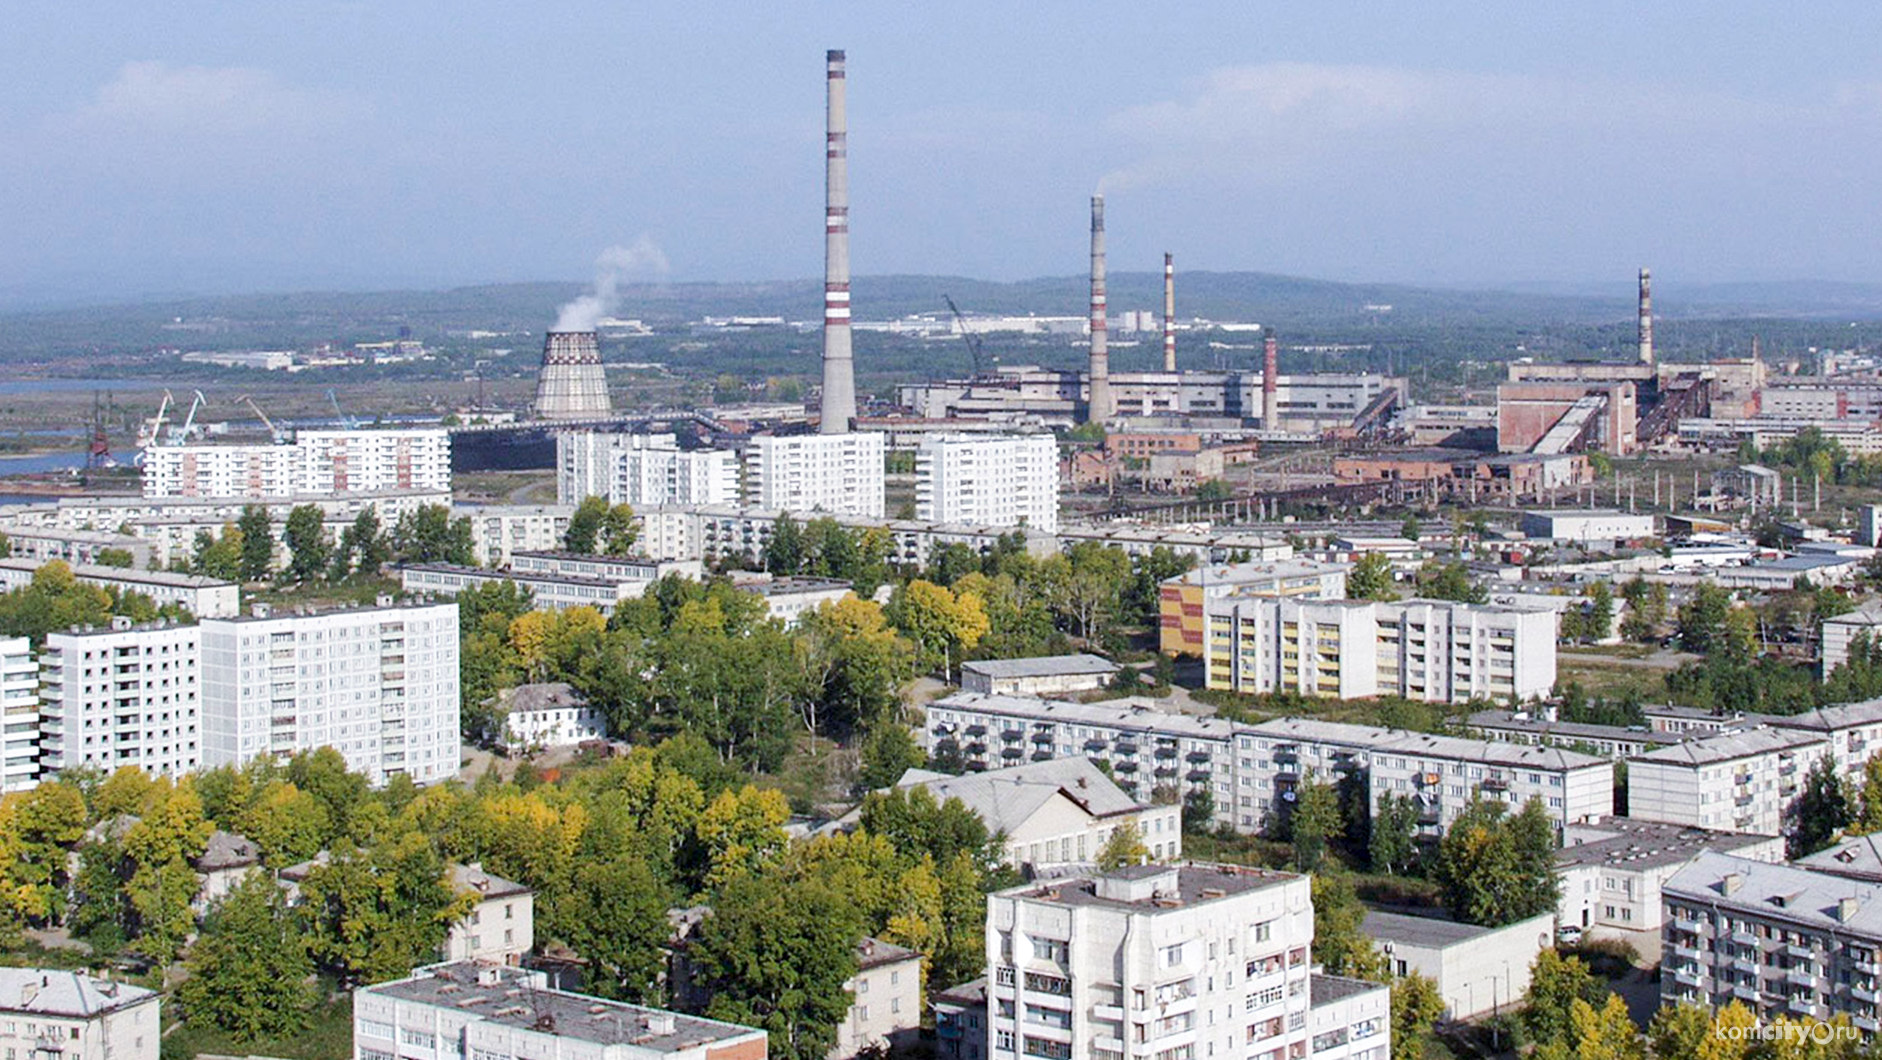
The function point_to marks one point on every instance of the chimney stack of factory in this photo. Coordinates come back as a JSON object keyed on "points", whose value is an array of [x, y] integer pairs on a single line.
{"points": [[1099, 407], [1270, 385], [839, 378], [1169, 312], [1646, 317]]}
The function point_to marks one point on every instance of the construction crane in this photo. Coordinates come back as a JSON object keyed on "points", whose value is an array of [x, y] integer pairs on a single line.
{"points": [[273, 431], [182, 434], [967, 334], [346, 421], [153, 427]]}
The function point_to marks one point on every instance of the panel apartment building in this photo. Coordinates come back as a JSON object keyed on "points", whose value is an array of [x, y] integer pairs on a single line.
{"points": [[990, 480], [316, 462], [1170, 963], [810, 474], [1181, 600], [642, 470], [1433, 651], [379, 684], [20, 768], [1746, 781], [123, 695]]}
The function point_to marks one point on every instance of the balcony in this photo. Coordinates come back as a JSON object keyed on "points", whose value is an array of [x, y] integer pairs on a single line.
{"points": [[1690, 927], [1166, 752], [1044, 737], [1197, 756], [1196, 776], [1097, 743], [1802, 953], [1686, 977], [1012, 752], [1685, 953]]}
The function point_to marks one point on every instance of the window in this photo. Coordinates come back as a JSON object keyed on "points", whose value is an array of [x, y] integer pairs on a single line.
{"points": [[1003, 1040], [1172, 955], [1050, 950], [422, 1039], [370, 1028], [862, 985], [1048, 984], [1049, 1017], [1048, 1048], [1264, 930]]}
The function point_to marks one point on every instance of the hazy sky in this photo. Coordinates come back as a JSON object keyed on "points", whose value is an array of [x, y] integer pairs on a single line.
{"points": [[175, 146]]}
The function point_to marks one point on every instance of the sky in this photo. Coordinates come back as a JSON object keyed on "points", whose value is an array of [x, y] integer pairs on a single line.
{"points": [[157, 149]]}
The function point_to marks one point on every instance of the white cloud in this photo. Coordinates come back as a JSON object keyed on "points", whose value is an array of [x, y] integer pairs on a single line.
{"points": [[153, 96]]}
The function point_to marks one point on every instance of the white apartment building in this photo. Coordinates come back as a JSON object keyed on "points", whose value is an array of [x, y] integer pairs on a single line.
{"points": [[1180, 962], [548, 592], [479, 1011], [547, 714], [885, 1012], [805, 474], [1782, 940], [317, 461], [126, 695], [642, 470], [499, 531], [1853, 731], [1745, 781], [1430, 650], [49, 1013], [1841, 631], [992, 480], [21, 764], [379, 684], [501, 925], [204, 597], [787, 599], [1612, 872]]}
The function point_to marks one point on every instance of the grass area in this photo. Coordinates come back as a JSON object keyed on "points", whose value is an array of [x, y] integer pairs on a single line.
{"points": [[814, 772], [496, 486], [328, 1037], [1376, 888], [1613, 680], [1613, 651]]}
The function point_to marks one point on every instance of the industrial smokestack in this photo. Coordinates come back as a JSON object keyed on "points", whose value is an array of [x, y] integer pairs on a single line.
{"points": [[1100, 407], [1646, 317], [1270, 385], [1169, 313], [839, 377], [572, 383]]}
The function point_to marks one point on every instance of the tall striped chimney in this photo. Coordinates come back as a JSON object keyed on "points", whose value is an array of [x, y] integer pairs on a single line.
{"points": [[1169, 312], [1646, 316], [1270, 385], [839, 376], [1099, 407]]}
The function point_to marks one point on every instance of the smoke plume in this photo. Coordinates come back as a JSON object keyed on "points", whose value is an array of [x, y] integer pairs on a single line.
{"points": [[617, 264]]}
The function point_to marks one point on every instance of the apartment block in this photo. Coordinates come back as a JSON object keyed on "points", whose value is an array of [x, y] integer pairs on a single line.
{"points": [[991, 480], [203, 597], [1853, 731], [499, 531], [1181, 612], [1784, 941], [885, 1012], [1746, 781], [379, 684], [21, 761], [642, 470], [223, 470], [480, 1011], [1613, 871], [1429, 650], [317, 461], [49, 1013], [1170, 963], [806, 474], [501, 924], [126, 695]]}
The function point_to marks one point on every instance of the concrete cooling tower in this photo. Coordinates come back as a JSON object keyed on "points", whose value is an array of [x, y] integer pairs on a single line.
{"points": [[572, 384]]}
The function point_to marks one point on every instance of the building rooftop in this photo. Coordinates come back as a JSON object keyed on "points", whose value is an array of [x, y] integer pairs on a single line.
{"points": [[1730, 746], [793, 586], [1132, 713], [1781, 891], [1237, 573], [583, 557], [1156, 887], [261, 612], [1044, 666], [515, 998], [1585, 513], [875, 953], [535, 576], [1419, 930], [1855, 856], [1831, 719], [1627, 843], [122, 574], [1007, 798], [1326, 989], [967, 995], [1399, 741], [472, 879], [227, 850], [1511, 721], [45, 992], [545, 695]]}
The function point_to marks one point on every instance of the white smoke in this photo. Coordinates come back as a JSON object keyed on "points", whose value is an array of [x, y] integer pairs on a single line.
{"points": [[642, 260]]}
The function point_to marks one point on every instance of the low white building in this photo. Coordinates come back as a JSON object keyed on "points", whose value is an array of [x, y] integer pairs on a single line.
{"points": [[993, 480], [48, 1013], [1586, 526], [123, 695], [1745, 781], [786, 599], [1612, 870], [807, 474], [203, 597], [542, 716], [500, 927], [74, 547], [499, 531], [1048, 675], [548, 592], [1479, 971], [226, 860]]}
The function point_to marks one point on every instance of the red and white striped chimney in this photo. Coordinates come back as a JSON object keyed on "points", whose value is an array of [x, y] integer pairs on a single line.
{"points": [[839, 377], [1270, 385], [1169, 312], [1646, 316], [1099, 406]]}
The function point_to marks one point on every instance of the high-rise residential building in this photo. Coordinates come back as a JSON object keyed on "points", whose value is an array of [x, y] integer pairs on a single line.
{"points": [[1180, 600], [1435, 651], [126, 695], [316, 462], [379, 684], [642, 470], [21, 766], [988, 480], [808, 474], [1163, 962]]}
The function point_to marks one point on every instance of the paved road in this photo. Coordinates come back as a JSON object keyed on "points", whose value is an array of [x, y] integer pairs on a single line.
{"points": [[1659, 660]]}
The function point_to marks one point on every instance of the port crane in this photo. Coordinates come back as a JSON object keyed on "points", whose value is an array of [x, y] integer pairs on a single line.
{"points": [[273, 431], [967, 334]]}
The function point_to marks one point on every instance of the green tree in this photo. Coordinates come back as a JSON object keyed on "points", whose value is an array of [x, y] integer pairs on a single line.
{"points": [[1824, 809], [160, 848], [376, 914], [1314, 818], [1556, 983], [1600, 614], [1495, 869], [943, 624], [256, 540], [363, 547], [1339, 939], [584, 531], [1214, 490], [888, 752], [741, 831], [1393, 845], [220, 557], [249, 972], [1450, 581], [775, 954], [784, 553], [1416, 1006], [618, 531], [1410, 529], [428, 534], [308, 550], [1704, 623], [1370, 578], [622, 929], [1124, 847], [116, 557]]}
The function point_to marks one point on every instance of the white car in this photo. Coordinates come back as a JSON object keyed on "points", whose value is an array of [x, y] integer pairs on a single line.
{"points": [[1568, 935]]}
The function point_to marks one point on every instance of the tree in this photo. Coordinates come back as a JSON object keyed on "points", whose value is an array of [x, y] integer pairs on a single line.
{"points": [[1214, 490], [1450, 581], [622, 927], [116, 557], [220, 557], [428, 534], [1600, 614], [1315, 817], [1393, 844], [256, 540], [584, 530], [160, 848], [1496, 870], [888, 752], [1410, 529], [784, 553], [1556, 984], [306, 538], [1704, 623], [363, 547], [741, 831], [1370, 578], [1416, 1006], [942, 624], [1690, 1032], [1823, 810], [375, 914], [618, 531], [1605, 1032], [1339, 939], [1124, 847], [249, 972], [1869, 800], [775, 954]]}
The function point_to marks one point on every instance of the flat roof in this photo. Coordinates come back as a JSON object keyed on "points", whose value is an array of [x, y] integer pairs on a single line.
{"points": [[1507, 720], [541, 576], [1420, 930], [1131, 713], [1729, 746], [1325, 989], [1194, 884], [794, 586], [1629, 843], [1042, 666], [122, 574]]}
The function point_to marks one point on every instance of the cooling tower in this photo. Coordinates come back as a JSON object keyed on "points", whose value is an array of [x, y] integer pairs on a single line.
{"points": [[572, 384]]}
